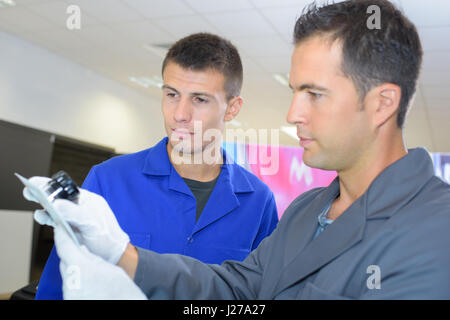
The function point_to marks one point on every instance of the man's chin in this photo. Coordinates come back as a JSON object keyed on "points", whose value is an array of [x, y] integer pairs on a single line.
{"points": [[315, 161], [184, 149]]}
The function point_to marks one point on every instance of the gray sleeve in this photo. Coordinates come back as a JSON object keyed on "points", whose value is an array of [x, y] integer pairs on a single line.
{"points": [[174, 276]]}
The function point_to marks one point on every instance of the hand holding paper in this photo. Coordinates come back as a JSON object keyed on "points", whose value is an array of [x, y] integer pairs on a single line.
{"points": [[91, 220]]}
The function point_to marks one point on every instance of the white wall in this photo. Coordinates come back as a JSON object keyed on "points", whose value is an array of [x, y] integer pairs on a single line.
{"points": [[42, 90], [15, 249]]}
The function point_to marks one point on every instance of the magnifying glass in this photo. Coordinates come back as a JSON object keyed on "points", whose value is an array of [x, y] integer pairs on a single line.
{"points": [[61, 186]]}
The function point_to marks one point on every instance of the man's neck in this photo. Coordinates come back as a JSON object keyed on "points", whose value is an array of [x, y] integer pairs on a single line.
{"points": [[189, 169], [354, 181]]}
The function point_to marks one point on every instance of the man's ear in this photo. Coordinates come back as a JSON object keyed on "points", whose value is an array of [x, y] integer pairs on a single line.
{"points": [[233, 108], [384, 102]]}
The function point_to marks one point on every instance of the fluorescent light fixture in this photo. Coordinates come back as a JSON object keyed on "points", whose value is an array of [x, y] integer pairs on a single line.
{"points": [[159, 50], [290, 131], [9, 3], [147, 82], [281, 79], [235, 123]]}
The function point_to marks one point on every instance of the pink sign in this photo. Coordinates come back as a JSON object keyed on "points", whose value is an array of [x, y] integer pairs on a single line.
{"points": [[285, 173]]}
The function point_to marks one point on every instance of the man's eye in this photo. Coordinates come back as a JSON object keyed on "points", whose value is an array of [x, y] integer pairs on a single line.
{"points": [[315, 95], [200, 100], [171, 94]]}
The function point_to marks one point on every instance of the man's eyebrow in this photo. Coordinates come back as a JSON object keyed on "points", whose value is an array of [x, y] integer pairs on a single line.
{"points": [[202, 94], [192, 93], [165, 86], [307, 86]]}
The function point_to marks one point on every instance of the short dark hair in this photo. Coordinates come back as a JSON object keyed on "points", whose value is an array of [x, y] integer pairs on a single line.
{"points": [[202, 51], [391, 54]]}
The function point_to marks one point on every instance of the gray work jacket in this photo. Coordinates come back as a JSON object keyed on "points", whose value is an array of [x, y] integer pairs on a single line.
{"points": [[392, 243]]}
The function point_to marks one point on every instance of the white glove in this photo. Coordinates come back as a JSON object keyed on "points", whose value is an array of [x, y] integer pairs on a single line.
{"points": [[91, 219], [87, 276]]}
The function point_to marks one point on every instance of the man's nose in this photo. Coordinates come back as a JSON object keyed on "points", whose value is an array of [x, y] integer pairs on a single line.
{"points": [[297, 113], [183, 111]]}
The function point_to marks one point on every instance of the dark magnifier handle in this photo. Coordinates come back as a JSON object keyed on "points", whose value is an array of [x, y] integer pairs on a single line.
{"points": [[62, 187]]}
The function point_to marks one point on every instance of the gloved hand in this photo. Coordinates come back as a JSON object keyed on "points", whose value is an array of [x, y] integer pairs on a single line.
{"points": [[91, 219], [87, 276]]}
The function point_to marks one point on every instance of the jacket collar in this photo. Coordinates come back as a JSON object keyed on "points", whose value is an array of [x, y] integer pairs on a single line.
{"points": [[157, 161], [223, 199], [398, 183], [389, 191]]}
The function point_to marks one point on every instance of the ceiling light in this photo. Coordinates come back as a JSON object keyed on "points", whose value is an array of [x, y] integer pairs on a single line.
{"points": [[147, 82], [290, 131], [235, 123], [9, 3], [282, 79], [158, 49]]}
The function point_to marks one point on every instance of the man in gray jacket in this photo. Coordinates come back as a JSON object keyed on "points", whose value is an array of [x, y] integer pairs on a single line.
{"points": [[379, 231]]}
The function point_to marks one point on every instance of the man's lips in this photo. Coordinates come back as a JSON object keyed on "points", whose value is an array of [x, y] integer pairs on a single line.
{"points": [[182, 132], [305, 141]]}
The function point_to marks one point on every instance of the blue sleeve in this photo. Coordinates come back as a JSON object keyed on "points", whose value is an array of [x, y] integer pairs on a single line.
{"points": [[269, 222], [50, 284]]}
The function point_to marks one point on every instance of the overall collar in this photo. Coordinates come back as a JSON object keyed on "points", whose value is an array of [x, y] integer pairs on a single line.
{"points": [[232, 180]]}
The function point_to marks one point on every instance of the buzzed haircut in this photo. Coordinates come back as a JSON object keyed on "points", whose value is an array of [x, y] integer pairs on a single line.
{"points": [[204, 51]]}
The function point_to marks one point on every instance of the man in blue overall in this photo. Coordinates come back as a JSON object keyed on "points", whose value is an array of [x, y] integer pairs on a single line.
{"points": [[185, 195]]}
